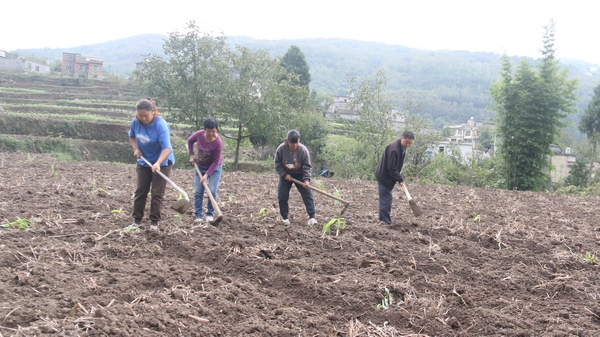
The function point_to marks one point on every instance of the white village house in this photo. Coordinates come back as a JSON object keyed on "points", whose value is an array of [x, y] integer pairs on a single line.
{"points": [[21, 65]]}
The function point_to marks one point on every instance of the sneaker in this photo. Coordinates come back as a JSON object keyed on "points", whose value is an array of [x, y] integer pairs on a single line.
{"points": [[133, 228], [209, 218], [198, 221], [286, 221], [312, 221]]}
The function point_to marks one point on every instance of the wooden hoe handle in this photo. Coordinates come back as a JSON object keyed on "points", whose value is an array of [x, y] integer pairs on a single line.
{"points": [[322, 192], [210, 196], [185, 195]]}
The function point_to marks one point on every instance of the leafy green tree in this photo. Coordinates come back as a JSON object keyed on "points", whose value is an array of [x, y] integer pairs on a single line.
{"points": [[482, 170], [426, 139], [339, 156], [446, 132], [190, 77], [252, 99], [56, 66], [578, 175], [321, 102], [442, 169], [531, 106], [485, 142], [374, 128], [314, 130], [590, 125]]}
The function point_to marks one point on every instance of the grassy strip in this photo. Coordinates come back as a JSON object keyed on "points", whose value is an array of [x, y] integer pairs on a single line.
{"points": [[69, 149], [78, 116], [62, 108], [63, 128], [21, 90]]}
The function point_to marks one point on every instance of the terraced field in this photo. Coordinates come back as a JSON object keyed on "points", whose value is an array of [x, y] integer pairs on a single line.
{"points": [[70, 118]]}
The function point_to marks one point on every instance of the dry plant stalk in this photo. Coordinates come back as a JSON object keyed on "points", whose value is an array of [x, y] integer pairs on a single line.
{"points": [[459, 295], [466, 228], [413, 261], [356, 329], [199, 319]]}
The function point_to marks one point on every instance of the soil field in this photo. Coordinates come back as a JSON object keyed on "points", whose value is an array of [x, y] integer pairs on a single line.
{"points": [[478, 262]]}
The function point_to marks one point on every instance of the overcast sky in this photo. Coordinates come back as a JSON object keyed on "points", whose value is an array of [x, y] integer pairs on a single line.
{"points": [[511, 26]]}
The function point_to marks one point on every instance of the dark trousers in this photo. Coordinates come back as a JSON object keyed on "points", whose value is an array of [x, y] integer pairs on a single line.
{"points": [[385, 203], [283, 195], [146, 180]]}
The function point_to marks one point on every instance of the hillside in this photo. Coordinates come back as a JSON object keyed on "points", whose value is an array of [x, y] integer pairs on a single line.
{"points": [[449, 86]]}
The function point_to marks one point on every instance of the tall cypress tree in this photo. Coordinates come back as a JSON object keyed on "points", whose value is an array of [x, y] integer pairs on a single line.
{"points": [[297, 75], [295, 64], [530, 107]]}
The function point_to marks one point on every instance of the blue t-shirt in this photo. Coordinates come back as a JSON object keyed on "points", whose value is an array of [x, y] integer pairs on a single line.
{"points": [[152, 139]]}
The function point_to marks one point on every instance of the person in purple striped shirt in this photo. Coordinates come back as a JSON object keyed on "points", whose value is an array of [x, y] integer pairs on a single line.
{"points": [[209, 159]]}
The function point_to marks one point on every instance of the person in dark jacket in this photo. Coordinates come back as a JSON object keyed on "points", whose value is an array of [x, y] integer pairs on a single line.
{"points": [[388, 173], [292, 160]]}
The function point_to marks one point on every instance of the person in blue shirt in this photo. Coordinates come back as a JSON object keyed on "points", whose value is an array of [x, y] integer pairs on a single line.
{"points": [[150, 137]]}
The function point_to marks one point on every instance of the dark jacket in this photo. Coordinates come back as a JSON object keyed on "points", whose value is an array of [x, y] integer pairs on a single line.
{"points": [[297, 162], [389, 167]]}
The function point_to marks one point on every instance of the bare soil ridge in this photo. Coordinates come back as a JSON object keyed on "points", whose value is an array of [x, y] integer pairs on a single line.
{"points": [[477, 263]]}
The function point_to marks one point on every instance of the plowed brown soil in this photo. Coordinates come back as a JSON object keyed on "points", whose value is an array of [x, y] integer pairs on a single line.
{"points": [[478, 262]]}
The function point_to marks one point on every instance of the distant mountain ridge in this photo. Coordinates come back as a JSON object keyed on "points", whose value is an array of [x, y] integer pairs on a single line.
{"points": [[449, 86]]}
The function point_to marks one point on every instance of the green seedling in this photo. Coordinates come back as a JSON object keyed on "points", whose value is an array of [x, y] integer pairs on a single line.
{"points": [[339, 222], [590, 258], [320, 185], [101, 192], [476, 218], [116, 213], [132, 229], [20, 223], [54, 173], [263, 212], [231, 198], [179, 218], [387, 300]]}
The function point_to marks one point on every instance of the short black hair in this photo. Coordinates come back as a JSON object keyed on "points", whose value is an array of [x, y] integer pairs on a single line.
{"points": [[408, 134], [211, 123], [293, 136]]}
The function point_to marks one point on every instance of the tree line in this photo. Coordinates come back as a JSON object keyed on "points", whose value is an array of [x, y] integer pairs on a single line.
{"points": [[260, 97]]}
